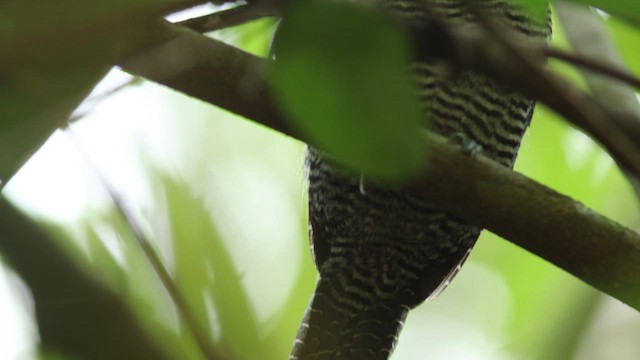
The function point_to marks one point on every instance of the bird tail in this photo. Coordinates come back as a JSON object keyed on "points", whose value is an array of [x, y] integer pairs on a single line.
{"points": [[336, 327]]}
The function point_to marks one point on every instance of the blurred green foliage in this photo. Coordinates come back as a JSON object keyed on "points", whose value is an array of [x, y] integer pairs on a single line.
{"points": [[52, 53], [226, 211], [372, 123]]}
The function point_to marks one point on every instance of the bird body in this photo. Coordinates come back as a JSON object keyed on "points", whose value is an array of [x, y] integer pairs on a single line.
{"points": [[381, 252]]}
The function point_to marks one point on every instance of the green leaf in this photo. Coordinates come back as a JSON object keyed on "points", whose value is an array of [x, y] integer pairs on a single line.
{"points": [[52, 53], [205, 271], [341, 74], [34, 102], [76, 313], [37, 94]]}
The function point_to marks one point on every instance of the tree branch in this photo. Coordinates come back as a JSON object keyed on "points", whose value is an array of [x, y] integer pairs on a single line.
{"points": [[205, 69], [497, 55], [590, 39], [553, 226], [596, 66], [567, 234]]}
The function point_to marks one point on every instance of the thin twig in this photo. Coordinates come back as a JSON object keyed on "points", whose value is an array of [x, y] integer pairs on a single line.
{"points": [[589, 38], [231, 17], [174, 6], [96, 100], [594, 65], [563, 96], [188, 317]]}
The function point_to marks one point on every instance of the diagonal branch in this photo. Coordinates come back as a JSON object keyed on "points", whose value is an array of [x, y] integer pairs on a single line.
{"points": [[205, 69], [590, 39], [497, 55], [553, 226], [569, 235], [590, 63]]}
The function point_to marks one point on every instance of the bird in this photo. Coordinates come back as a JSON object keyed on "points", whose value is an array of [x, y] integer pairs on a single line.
{"points": [[380, 251]]}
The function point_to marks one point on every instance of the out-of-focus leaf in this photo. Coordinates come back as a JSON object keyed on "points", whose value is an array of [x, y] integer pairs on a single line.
{"points": [[130, 277], [48, 65], [135, 280], [287, 320], [628, 10], [341, 75], [207, 275], [34, 101], [34, 30], [52, 53], [76, 313]]}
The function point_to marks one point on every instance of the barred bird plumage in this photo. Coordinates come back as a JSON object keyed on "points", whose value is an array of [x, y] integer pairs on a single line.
{"points": [[381, 252]]}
